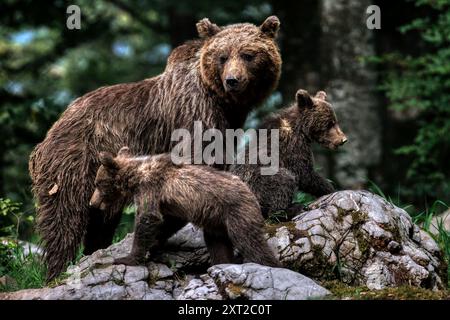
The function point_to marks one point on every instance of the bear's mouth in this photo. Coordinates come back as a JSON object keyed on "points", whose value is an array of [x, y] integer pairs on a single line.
{"points": [[329, 144], [101, 206]]}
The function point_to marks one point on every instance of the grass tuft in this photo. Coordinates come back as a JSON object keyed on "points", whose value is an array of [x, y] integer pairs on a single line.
{"points": [[26, 270]]}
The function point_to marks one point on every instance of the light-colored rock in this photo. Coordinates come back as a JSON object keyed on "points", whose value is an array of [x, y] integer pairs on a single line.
{"points": [[185, 249], [30, 248], [95, 277], [353, 236], [159, 271], [361, 239], [252, 281], [256, 282], [202, 288]]}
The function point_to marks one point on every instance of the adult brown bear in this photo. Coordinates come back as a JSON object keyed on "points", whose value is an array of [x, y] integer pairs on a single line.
{"points": [[216, 79]]}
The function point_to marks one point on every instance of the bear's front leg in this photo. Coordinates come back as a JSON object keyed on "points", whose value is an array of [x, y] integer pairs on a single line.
{"points": [[320, 186], [146, 234], [311, 182]]}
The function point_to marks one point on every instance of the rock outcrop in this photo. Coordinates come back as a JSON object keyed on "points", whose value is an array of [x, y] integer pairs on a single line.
{"points": [[361, 239], [353, 236]]}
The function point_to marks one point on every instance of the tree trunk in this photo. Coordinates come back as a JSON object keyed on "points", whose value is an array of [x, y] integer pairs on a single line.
{"points": [[350, 85]]}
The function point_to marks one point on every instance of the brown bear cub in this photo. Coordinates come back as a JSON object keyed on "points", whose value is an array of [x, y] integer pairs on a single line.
{"points": [[216, 79], [168, 196], [310, 119]]}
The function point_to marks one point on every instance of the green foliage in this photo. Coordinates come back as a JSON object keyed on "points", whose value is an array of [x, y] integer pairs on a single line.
{"points": [[420, 85], [126, 223], [27, 270], [374, 188], [424, 217], [12, 218], [277, 217], [303, 198], [442, 236], [6, 254]]}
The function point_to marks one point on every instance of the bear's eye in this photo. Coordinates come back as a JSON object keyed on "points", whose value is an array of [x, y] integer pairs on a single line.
{"points": [[247, 57], [223, 59]]}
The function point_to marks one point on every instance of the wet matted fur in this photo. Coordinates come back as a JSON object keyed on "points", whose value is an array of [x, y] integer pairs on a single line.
{"points": [[216, 79], [308, 120], [167, 196]]}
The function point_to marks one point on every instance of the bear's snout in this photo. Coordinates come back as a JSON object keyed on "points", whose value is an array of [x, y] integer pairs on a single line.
{"points": [[234, 84], [234, 76], [231, 82], [334, 138], [96, 200]]}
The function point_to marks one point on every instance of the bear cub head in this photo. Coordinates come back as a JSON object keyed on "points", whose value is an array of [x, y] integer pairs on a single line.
{"points": [[107, 181], [317, 120], [240, 62]]}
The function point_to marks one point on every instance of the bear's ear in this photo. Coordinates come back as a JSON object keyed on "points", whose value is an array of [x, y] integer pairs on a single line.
{"points": [[303, 99], [206, 28], [270, 26], [124, 152], [321, 95], [107, 160]]}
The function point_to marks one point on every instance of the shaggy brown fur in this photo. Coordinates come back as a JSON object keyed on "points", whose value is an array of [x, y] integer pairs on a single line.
{"points": [[309, 119], [217, 79], [167, 196]]}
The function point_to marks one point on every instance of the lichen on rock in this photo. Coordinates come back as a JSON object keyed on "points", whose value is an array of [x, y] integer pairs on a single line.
{"points": [[361, 239]]}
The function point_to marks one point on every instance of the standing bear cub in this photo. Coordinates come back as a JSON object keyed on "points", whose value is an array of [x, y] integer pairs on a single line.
{"points": [[217, 79], [168, 196], [310, 119]]}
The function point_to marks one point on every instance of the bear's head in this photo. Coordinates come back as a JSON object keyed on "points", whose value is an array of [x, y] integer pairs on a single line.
{"points": [[318, 120], [241, 62], [108, 188]]}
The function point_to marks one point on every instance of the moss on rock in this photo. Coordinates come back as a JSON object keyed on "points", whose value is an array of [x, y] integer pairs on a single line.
{"points": [[343, 291]]}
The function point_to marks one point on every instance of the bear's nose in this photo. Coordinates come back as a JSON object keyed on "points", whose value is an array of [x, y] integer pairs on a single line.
{"points": [[344, 140], [232, 82]]}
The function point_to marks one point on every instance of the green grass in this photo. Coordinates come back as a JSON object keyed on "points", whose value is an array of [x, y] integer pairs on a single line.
{"points": [[303, 198], [277, 217], [442, 237], [26, 270], [126, 224]]}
